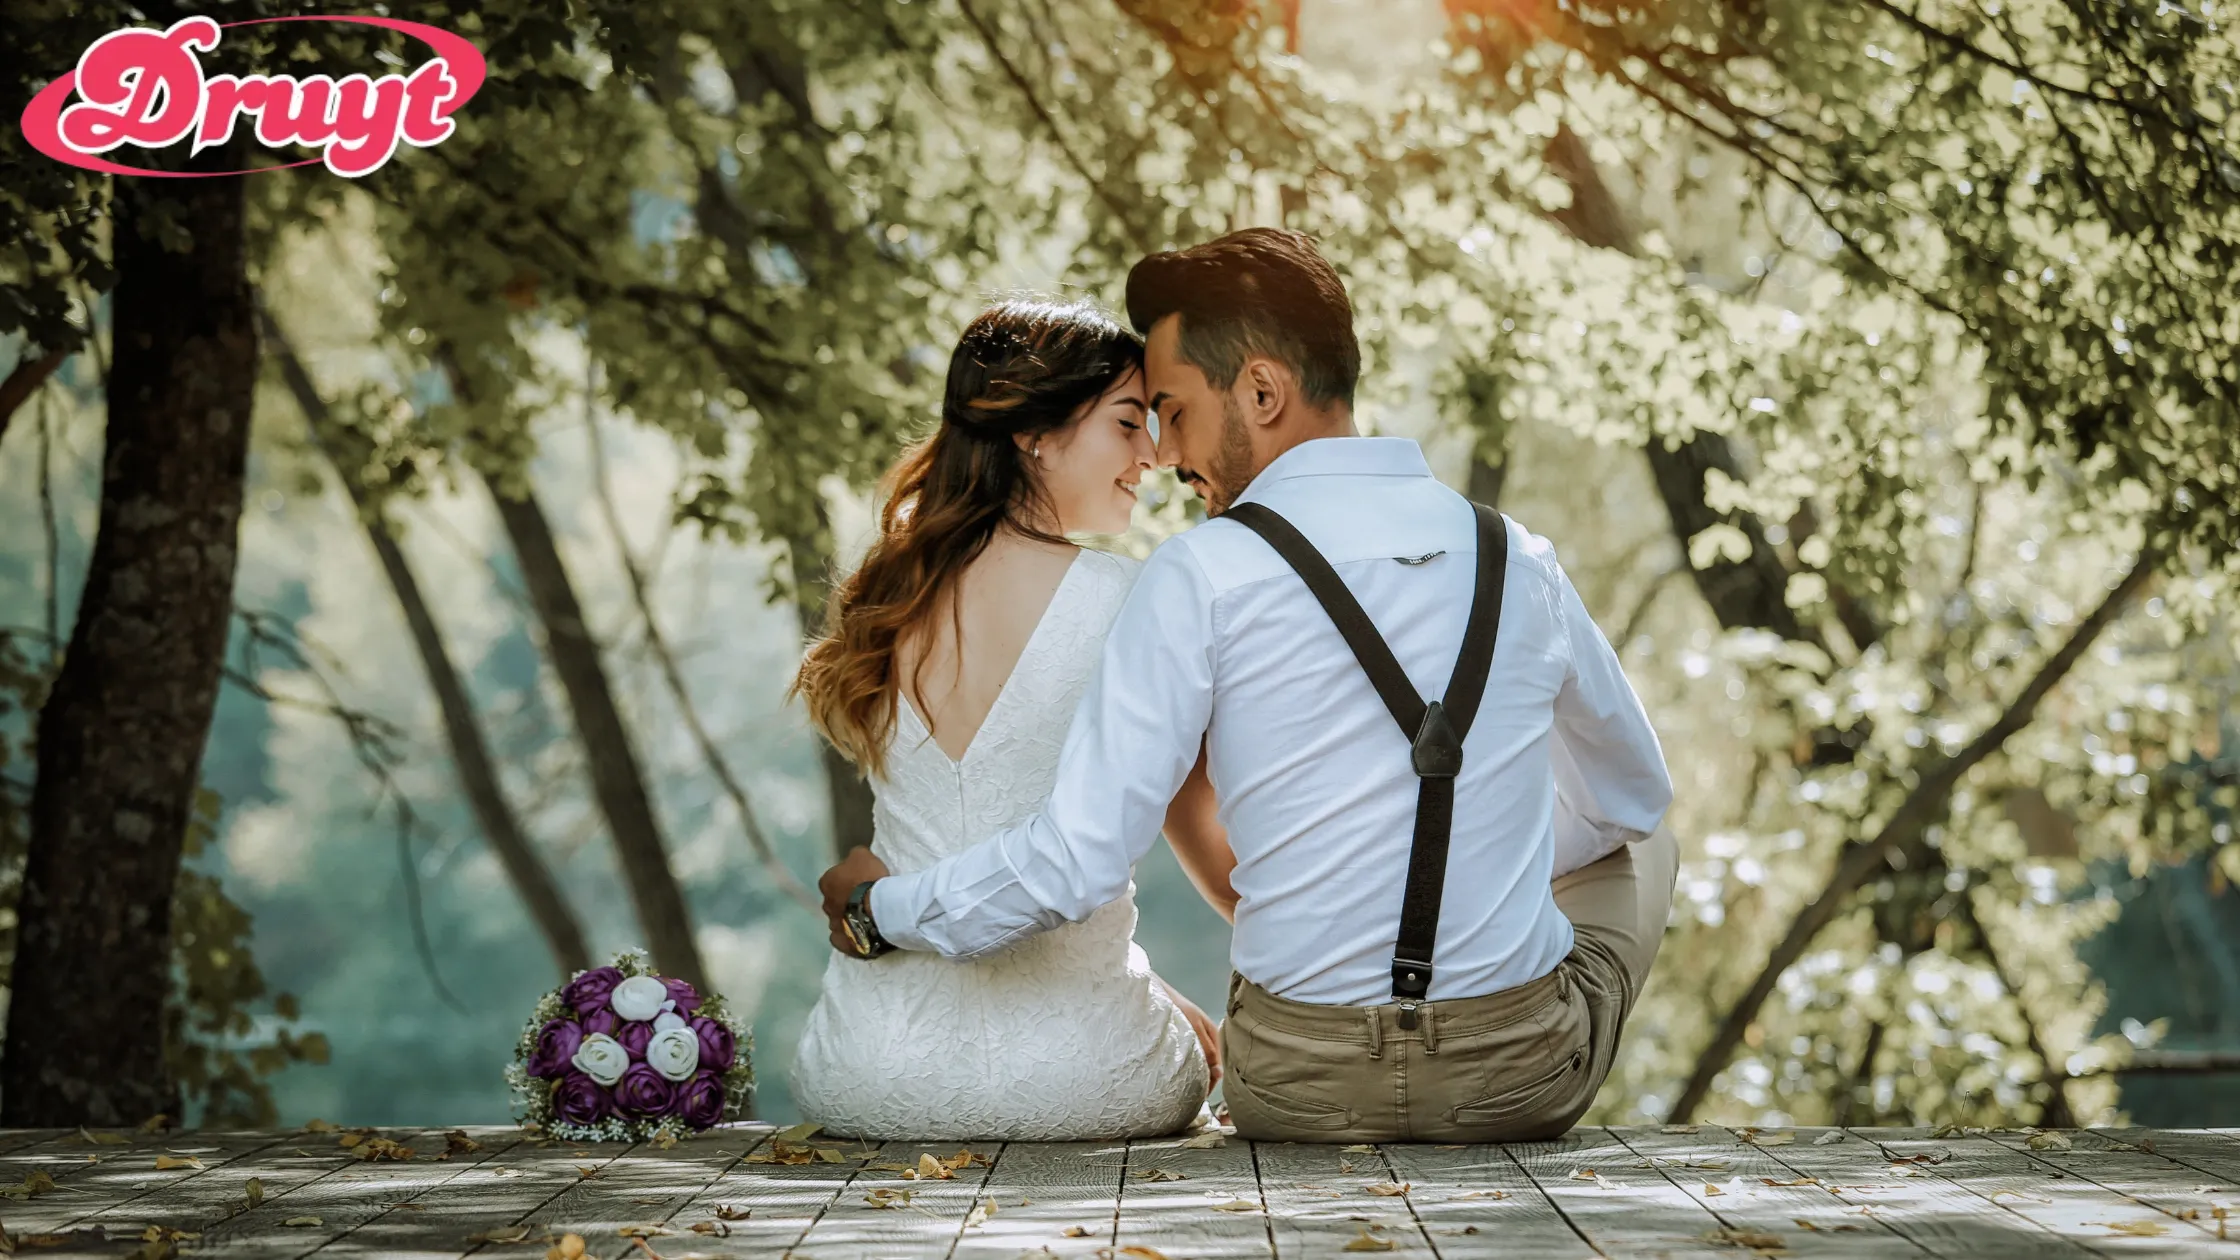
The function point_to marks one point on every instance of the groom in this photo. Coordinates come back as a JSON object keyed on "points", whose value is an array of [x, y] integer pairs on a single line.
{"points": [[1442, 797]]}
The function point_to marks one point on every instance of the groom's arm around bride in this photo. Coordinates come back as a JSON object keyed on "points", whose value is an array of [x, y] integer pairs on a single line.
{"points": [[1409, 965]]}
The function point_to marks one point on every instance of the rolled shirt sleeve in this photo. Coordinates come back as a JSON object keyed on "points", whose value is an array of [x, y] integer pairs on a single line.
{"points": [[1131, 744], [1612, 787]]}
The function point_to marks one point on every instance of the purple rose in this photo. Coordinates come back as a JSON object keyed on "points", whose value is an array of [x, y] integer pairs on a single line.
{"points": [[578, 1099], [716, 1043], [600, 1021], [683, 994], [634, 1036], [556, 1045], [588, 992], [643, 1092], [700, 1100]]}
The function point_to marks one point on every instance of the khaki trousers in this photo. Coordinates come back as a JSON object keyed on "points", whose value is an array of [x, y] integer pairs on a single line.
{"points": [[1517, 1065]]}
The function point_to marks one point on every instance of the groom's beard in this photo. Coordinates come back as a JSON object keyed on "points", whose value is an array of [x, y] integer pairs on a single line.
{"points": [[1232, 467]]}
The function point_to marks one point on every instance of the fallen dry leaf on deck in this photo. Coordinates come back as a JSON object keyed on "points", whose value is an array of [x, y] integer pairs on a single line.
{"points": [[1075, 1231], [254, 1188], [1585, 1174], [2135, 1229], [888, 1197], [569, 1248], [295, 1222], [102, 1139], [1366, 1241], [1708, 1188], [1801, 1181], [1483, 1194], [1770, 1139], [1830, 1138], [382, 1148], [349, 1139], [716, 1228], [642, 1231], [1236, 1205], [1389, 1189], [587, 1171], [457, 1142], [1359, 1148], [1160, 1174], [33, 1185], [503, 1235], [2046, 1142], [166, 1163], [1745, 1238], [1809, 1227], [1674, 1130], [929, 1167], [725, 1211], [980, 1212], [967, 1158], [797, 1134], [1141, 1253], [1204, 1141], [318, 1126]]}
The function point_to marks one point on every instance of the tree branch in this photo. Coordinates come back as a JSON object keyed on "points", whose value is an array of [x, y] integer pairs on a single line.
{"points": [[1914, 814]]}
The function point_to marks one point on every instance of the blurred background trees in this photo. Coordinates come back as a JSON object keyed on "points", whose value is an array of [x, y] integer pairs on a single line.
{"points": [[1869, 363]]}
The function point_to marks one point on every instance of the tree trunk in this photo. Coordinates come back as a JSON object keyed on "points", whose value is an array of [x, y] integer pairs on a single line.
{"points": [[846, 790], [616, 779], [470, 754], [121, 736]]}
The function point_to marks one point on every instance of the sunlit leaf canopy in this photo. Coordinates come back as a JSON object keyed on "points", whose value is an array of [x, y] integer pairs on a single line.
{"points": [[1973, 369]]}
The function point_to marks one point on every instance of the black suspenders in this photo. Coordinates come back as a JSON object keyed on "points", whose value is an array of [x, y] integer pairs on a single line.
{"points": [[1436, 729]]}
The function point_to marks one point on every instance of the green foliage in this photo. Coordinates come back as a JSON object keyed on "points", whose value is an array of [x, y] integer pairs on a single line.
{"points": [[221, 1052]]}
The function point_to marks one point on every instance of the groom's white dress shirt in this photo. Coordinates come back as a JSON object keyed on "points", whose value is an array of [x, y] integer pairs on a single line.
{"points": [[1220, 639]]}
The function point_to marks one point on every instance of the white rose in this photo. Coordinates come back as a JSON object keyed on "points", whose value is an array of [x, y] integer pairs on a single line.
{"points": [[639, 997], [602, 1058], [675, 1053], [667, 1020]]}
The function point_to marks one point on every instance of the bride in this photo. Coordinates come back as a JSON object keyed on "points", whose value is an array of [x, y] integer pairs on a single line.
{"points": [[953, 662]]}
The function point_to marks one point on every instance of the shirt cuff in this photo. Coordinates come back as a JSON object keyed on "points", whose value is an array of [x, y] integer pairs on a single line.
{"points": [[895, 902]]}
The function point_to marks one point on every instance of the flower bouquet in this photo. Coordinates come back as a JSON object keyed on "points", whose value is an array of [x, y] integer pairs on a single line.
{"points": [[620, 1053]]}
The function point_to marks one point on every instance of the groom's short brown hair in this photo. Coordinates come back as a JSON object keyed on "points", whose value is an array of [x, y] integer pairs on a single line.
{"points": [[1260, 291]]}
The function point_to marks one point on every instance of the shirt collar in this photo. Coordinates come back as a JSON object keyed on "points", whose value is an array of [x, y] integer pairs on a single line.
{"points": [[1342, 457]]}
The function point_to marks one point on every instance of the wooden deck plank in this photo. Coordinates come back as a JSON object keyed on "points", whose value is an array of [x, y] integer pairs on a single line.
{"points": [[1318, 1199], [2071, 1207], [341, 1200], [769, 1206], [1945, 1218], [1476, 1203], [2144, 1177], [195, 1205], [1173, 1217], [125, 1177], [680, 1207], [2203, 1150], [1751, 1190], [917, 1219], [1044, 1189], [1617, 1200], [512, 1189]]}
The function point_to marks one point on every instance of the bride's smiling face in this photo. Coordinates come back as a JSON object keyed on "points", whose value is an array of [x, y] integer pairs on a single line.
{"points": [[1090, 468]]}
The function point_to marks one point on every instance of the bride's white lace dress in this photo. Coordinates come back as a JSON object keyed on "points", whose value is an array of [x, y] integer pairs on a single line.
{"points": [[1064, 1036]]}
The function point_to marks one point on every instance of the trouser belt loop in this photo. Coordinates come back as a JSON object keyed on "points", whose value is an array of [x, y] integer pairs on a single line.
{"points": [[1236, 991], [1376, 1033], [1430, 1029]]}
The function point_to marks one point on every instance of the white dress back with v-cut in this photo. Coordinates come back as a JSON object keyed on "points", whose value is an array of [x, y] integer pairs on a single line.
{"points": [[1065, 1036]]}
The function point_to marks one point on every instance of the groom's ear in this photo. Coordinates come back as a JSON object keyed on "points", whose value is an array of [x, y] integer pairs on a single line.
{"points": [[1267, 389]]}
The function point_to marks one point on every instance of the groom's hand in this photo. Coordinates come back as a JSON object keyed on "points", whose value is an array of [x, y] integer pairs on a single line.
{"points": [[835, 885]]}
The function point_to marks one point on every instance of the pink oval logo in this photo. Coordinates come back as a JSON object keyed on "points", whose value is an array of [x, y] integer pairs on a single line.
{"points": [[144, 87]]}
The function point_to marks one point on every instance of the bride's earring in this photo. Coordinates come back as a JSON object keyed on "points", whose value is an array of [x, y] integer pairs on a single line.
{"points": [[1037, 451]]}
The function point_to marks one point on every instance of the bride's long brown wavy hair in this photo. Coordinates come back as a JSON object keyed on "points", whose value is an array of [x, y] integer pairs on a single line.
{"points": [[1022, 369]]}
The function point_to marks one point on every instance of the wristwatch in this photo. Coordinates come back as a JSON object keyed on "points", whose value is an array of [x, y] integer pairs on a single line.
{"points": [[862, 932]]}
